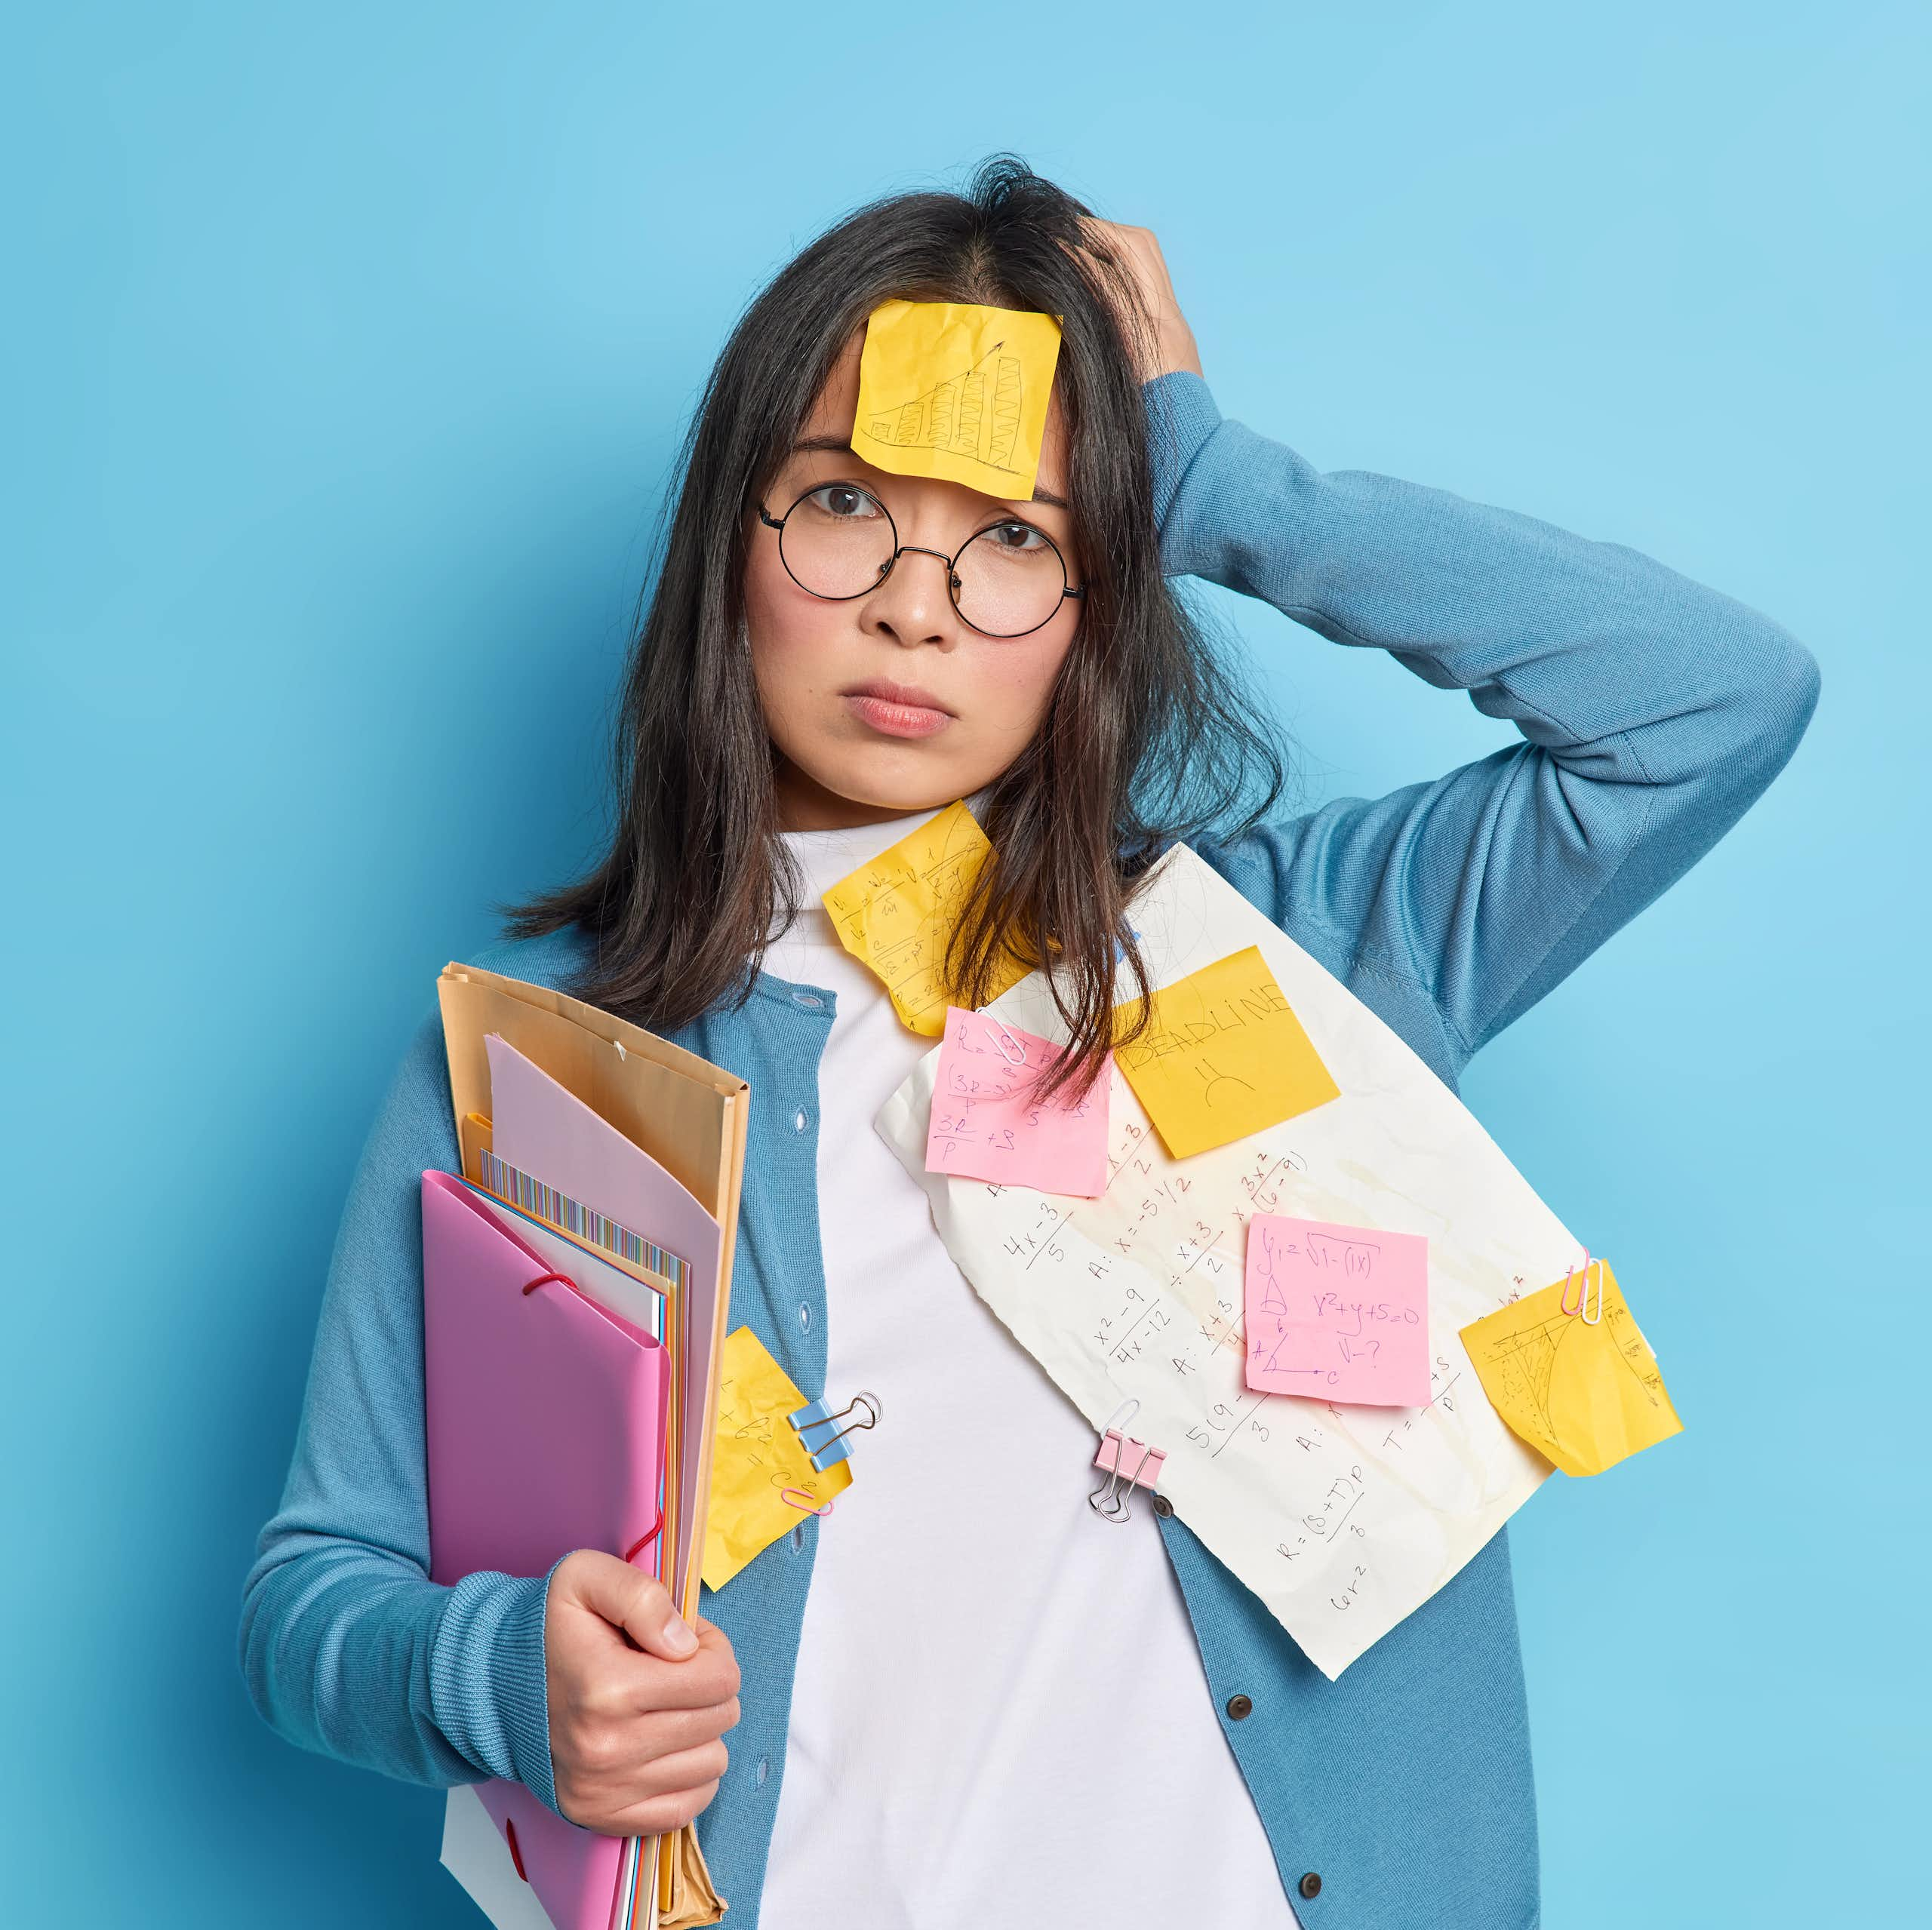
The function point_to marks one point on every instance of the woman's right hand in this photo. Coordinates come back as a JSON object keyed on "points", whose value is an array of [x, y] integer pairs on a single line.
{"points": [[634, 1730]]}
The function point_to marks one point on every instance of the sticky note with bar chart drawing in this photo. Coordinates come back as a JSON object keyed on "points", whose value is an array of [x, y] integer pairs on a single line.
{"points": [[956, 391]]}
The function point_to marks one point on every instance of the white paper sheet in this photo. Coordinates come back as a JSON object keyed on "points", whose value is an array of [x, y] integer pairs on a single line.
{"points": [[1342, 1519], [479, 1859]]}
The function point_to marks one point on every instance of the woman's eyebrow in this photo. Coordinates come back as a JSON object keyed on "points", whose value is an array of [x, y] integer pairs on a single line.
{"points": [[831, 445]]}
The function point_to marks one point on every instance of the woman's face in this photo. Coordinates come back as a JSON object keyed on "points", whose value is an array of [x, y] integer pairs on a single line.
{"points": [[891, 702]]}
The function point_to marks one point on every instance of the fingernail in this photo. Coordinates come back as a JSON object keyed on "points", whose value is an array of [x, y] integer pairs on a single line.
{"points": [[678, 1637]]}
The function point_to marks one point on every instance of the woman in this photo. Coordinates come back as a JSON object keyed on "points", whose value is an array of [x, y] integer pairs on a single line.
{"points": [[962, 1696]]}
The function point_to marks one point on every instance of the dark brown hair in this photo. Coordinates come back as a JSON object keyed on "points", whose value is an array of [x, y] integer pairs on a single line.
{"points": [[1147, 737]]}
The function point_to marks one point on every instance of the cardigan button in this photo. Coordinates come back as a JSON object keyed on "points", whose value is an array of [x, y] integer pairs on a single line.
{"points": [[1239, 1708], [1310, 1885], [1163, 1507]]}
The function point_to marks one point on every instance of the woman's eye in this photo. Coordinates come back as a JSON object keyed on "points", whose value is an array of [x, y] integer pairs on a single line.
{"points": [[1017, 536], [843, 501]]}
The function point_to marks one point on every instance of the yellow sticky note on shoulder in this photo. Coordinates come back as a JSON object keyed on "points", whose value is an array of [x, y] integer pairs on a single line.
{"points": [[1584, 1393], [1224, 1056], [959, 391], [756, 1456], [896, 915]]}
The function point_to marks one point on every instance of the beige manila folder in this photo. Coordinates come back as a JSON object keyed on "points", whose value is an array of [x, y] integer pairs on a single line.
{"points": [[690, 1117]]}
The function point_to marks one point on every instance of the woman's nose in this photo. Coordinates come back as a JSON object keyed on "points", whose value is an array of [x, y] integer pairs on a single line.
{"points": [[913, 604]]}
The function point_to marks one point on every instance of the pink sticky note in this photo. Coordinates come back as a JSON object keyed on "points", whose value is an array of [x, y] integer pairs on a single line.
{"points": [[987, 1125], [1337, 1312]]}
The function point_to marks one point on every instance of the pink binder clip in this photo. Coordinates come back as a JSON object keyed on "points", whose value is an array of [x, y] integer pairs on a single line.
{"points": [[1128, 1463]]}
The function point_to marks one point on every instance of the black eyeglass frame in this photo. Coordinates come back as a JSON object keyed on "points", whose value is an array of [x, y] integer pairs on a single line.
{"points": [[1069, 592]]}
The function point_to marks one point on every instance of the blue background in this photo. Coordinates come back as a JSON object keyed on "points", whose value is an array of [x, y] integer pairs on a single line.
{"points": [[349, 355]]}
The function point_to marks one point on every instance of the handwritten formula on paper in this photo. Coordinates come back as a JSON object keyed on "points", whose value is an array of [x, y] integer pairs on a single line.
{"points": [[987, 1122], [1223, 1056], [1337, 1312], [895, 914]]}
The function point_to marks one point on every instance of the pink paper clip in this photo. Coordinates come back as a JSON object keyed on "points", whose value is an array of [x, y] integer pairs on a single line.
{"points": [[803, 1503], [1583, 1291]]}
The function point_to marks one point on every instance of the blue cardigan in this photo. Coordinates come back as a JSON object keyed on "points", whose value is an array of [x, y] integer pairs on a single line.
{"points": [[1399, 1798]]}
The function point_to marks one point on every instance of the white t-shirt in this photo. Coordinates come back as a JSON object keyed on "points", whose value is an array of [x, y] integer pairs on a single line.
{"points": [[1000, 1709]]}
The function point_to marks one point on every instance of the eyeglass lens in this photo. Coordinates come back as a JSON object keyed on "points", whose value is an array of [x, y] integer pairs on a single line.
{"points": [[837, 541]]}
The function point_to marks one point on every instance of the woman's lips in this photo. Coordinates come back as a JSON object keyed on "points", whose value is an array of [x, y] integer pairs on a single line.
{"points": [[896, 716]]}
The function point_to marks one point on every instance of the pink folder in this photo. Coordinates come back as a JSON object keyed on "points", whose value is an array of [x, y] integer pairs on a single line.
{"points": [[546, 1421]]}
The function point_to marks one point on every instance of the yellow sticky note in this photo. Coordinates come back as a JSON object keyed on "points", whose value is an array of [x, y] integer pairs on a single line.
{"points": [[1224, 1056], [756, 1456], [1584, 1394], [896, 915], [959, 391]]}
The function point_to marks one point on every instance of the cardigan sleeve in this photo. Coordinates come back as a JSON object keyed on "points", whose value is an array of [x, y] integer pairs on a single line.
{"points": [[348, 1647], [1652, 713]]}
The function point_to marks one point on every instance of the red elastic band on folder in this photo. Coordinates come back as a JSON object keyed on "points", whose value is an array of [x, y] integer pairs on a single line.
{"points": [[638, 1547], [544, 1279], [516, 1855]]}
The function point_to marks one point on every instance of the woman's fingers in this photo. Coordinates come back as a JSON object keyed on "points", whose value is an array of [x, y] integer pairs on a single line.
{"points": [[667, 1731], [1136, 253], [708, 1677], [659, 1815], [615, 1783], [665, 1775], [627, 1599]]}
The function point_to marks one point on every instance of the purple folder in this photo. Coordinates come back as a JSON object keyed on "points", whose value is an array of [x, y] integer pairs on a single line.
{"points": [[546, 1420]]}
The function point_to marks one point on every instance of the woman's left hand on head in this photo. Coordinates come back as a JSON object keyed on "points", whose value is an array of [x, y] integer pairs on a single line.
{"points": [[1171, 346]]}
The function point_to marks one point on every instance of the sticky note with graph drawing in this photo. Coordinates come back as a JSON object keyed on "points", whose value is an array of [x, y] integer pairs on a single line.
{"points": [[1568, 1369], [956, 391], [1223, 1055]]}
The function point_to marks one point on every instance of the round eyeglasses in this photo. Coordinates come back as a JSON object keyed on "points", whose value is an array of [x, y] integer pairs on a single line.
{"points": [[838, 541]]}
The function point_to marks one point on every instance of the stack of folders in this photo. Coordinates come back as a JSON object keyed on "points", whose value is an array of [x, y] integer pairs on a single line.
{"points": [[577, 1282]]}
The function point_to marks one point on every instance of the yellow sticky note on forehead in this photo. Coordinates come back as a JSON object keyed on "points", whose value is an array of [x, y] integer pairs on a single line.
{"points": [[952, 390], [896, 915]]}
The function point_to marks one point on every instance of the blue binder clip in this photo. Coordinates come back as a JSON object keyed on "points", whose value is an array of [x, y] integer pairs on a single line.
{"points": [[811, 1420]]}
